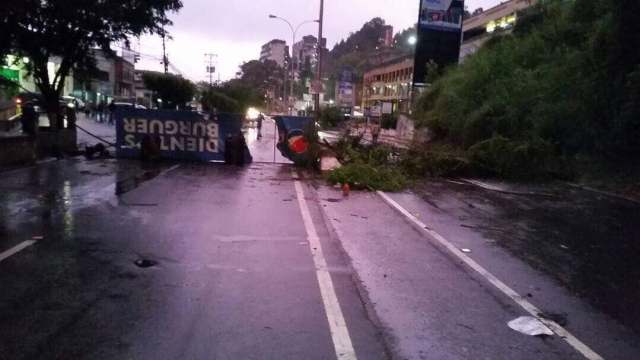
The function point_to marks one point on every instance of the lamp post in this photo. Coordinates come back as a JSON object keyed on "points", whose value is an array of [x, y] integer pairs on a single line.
{"points": [[320, 47], [294, 31]]}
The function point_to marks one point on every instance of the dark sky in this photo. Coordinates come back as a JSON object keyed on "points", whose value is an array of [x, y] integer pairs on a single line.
{"points": [[236, 29]]}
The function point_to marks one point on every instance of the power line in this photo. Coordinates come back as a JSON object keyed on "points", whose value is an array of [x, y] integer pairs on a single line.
{"points": [[153, 57]]}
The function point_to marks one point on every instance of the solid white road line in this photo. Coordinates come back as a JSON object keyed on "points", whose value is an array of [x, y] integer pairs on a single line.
{"points": [[16, 249], [526, 305], [337, 325]]}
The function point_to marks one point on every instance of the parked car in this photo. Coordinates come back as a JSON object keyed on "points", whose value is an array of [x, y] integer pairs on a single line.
{"points": [[38, 102], [77, 103], [128, 105]]}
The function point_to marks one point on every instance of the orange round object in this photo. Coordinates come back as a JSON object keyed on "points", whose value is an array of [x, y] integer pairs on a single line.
{"points": [[298, 144]]}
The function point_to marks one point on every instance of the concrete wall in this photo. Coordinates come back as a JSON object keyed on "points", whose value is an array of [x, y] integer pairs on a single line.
{"points": [[18, 150]]}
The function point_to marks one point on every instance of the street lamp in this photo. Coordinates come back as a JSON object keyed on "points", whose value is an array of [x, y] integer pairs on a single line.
{"points": [[412, 40], [293, 41]]}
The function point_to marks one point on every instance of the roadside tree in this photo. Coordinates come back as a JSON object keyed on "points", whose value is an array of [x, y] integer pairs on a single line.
{"points": [[174, 91], [70, 30]]}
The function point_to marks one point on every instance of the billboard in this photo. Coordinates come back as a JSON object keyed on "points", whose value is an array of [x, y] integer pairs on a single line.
{"points": [[439, 35], [180, 135]]}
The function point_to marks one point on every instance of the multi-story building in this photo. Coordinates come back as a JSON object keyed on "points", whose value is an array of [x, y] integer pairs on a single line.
{"points": [[276, 50], [387, 87], [115, 77], [124, 78], [143, 95], [484, 24], [305, 55]]}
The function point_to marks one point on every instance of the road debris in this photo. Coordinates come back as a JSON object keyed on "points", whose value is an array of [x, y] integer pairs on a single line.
{"points": [[346, 190], [145, 263], [531, 326]]}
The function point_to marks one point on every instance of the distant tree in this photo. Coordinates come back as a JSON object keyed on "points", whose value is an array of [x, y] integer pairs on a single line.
{"points": [[365, 39], [261, 75], [401, 40], [69, 30], [175, 91], [214, 99]]}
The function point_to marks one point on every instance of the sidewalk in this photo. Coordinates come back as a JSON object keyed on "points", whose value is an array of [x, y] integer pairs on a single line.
{"points": [[102, 130]]}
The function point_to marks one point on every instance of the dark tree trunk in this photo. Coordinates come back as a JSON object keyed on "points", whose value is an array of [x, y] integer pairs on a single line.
{"points": [[52, 107]]}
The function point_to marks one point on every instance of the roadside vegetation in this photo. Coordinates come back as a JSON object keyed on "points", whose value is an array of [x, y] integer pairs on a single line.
{"points": [[368, 167], [561, 92], [556, 98]]}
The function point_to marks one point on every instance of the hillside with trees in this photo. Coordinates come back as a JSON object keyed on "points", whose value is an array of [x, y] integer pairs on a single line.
{"points": [[560, 93], [364, 48]]}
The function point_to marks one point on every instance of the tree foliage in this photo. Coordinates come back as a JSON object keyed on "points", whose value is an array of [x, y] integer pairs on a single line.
{"points": [[69, 30], [261, 75], [567, 79], [175, 91], [255, 80], [364, 48], [401, 40]]}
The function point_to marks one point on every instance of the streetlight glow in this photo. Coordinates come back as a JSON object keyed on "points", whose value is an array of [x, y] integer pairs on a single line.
{"points": [[412, 40]]}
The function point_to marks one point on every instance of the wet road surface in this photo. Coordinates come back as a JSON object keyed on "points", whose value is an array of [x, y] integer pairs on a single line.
{"points": [[264, 149], [183, 261], [436, 305], [234, 279]]}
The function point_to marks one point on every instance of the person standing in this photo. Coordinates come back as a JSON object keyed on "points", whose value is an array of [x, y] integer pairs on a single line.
{"points": [[29, 119], [100, 111], [260, 119], [112, 110]]}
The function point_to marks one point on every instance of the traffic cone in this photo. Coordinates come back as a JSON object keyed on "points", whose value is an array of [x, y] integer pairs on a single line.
{"points": [[346, 189]]}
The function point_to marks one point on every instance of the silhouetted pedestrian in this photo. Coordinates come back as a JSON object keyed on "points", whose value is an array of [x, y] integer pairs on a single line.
{"points": [[260, 119], [29, 119], [112, 110]]}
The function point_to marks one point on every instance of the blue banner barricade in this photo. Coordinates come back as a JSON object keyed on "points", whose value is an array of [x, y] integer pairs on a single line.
{"points": [[179, 135], [292, 143]]}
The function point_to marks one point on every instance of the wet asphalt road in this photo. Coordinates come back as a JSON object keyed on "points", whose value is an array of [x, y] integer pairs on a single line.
{"points": [[235, 272], [234, 280]]}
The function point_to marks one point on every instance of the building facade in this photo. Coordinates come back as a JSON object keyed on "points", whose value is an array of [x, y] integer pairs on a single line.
{"points": [[276, 50], [480, 27], [143, 95], [387, 87], [124, 79], [305, 55]]}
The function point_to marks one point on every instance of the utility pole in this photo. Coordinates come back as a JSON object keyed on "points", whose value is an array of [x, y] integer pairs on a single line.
{"points": [[210, 67], [319, 48], [165, 59]]}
